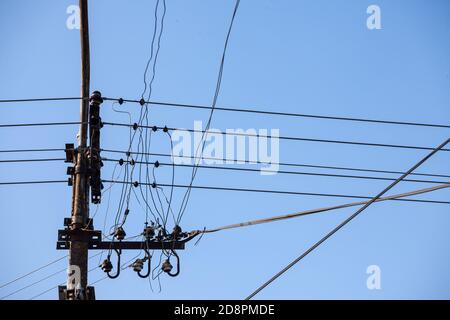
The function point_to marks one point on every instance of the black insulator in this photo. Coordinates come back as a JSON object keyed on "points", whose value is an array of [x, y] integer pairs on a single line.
{"points": [[136, 184], [155, 128], [121, 162], [127, 211], [138, 265], [165, 129], [120, 101], [128, 153], [177, 230], [120, 234], [106, 265], [156, 164], [154, 185], [101, 124], [102, 186], [142, 101], [135, 126], [166, 266], [132, 162], [149, 232]]}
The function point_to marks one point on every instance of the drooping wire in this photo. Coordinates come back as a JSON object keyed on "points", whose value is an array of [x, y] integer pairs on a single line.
{"points": [[346, 221], [208, 124]]}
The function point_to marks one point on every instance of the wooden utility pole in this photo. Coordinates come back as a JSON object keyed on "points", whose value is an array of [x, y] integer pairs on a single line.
{"points": [[78, 251], [79, 235]]}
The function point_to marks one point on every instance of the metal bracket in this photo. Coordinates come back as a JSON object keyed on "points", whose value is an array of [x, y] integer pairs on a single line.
{"points": [[67, 235], [65, 294], [70, 152]]}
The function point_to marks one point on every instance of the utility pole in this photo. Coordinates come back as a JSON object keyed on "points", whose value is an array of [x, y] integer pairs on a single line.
{"points": [[78, 250], [79, 235]]}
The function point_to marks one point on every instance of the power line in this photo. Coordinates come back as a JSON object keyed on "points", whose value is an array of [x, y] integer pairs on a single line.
{"points": [[277, 172], [41, 99], [287, 114], [43, 279], [90, 284], [277, 163], [187, 195], [31, 150], [320, 210], [33, 271], [342, 224], [34, 283], [42, 124], [31, 182], [32, 160], [367, 144], [268, 191]]}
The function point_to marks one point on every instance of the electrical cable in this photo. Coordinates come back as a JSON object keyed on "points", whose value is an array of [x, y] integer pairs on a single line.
{"points": [[31, 150], [31, 182], [32, 160], [42, 124], [227, 160], [350, 218], [281, 192], [186, 196], [42, 99], [289, 114], [43, 279], [33, 271], [284, 172], [320, 210], [367, 144]]}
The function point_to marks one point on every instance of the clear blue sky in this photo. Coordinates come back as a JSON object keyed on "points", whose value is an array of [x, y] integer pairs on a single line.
{"points": [[294, 56]]}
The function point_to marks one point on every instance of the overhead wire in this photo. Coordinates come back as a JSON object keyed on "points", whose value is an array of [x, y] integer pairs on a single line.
{"points": [[245, 161], [4, 183], [33, 271], [32, 160], [290, 114], [280, 192], [42, 99], [359, 143], [281, 172], [320, 210], [42, 279], [186, 196], [346, 221], [41, 124]]}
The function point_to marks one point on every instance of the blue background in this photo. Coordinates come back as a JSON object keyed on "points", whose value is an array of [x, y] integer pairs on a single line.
{"points": [[297, 56]]}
